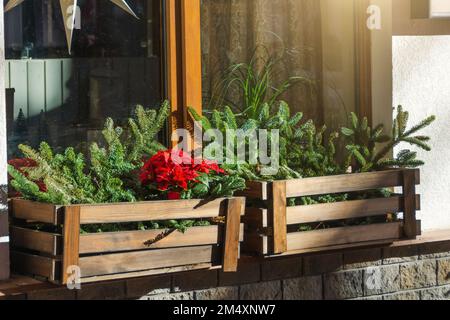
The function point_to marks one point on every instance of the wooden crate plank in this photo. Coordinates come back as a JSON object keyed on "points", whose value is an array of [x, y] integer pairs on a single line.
{"points": [[146, 260], [345, 183], [35, 265], [345, 210], [409, 204], [339, 248], [43, 242], [255, 244], [342, 210], [152, 211], [71, 241], [35, 211], [146, 273], [136, 240], [255, 218], [232, 235], [255, 190], [344, 235], [277, 216]]}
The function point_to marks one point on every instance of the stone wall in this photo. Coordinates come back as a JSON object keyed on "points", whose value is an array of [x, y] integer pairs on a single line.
{"points": [[407, 270], [396, 273]]}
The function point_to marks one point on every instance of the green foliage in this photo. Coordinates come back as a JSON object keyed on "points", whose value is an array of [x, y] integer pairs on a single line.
{"points": [[362, 143], [305, 150], [215, 186], [254, 86], [106, 178], [311, 154]]}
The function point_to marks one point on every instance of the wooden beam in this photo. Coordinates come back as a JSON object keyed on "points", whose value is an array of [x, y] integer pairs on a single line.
{"points": [[232, 235], [71, 241], [174, 64], [278, 216], [409, 205], [363, 60], [192, 59], [184, 70]]}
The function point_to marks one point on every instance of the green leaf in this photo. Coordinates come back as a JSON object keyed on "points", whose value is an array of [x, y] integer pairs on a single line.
{"points": [[347, 132], [354, 120]]}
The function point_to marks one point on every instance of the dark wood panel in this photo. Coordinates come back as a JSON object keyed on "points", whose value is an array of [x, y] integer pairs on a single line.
{"points": [[146, 260], [44, 242]]}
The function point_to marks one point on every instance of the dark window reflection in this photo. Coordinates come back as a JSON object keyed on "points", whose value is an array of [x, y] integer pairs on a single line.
{"points": [[64, 99]]}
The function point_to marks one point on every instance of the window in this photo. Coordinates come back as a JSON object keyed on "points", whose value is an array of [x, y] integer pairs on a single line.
{"points": [[115, 64], [323, 46]]}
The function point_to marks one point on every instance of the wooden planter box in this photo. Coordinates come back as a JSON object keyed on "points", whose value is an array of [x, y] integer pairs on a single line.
{"points": [[123, 254], [4, 247], [266, 229]]}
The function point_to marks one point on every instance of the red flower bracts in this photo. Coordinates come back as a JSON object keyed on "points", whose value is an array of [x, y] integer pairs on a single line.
{"points": [[175, 171], [21, 165]]}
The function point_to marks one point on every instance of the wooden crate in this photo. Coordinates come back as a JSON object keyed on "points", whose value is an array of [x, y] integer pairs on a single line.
{"points": [[4, 247], [123, 254], [266, 229]]}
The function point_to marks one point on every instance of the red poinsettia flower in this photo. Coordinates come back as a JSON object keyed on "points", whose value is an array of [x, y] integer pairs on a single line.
{"points": [[173, 171], [172, 195]]}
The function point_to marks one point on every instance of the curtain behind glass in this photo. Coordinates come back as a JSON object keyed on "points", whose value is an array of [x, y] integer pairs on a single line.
{"points": [[233, 31]]}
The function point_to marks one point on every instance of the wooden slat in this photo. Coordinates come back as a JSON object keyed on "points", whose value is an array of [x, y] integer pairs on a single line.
{"points": [[255, 190], [255, 244], [71, 240], [345, 183], [135, 240], [43, 242], [152, 211], [146, 260], [344, 235], [255, 218], [35, 265], [277, 216], [35, 211], [345, 210], [409, 204], [340, 247], [146, 273], [232, 235]]}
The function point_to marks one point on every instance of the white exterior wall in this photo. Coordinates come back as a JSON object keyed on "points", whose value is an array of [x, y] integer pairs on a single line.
{"points": [[3, 154], [4, 240], [421, 75]]}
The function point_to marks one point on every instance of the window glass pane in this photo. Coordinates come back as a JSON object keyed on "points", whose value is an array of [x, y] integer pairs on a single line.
{"points": [[317, 48], [64, 98]]}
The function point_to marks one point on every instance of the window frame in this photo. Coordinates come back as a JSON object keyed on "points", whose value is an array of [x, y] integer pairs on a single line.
{"points": [[183, 60], [184, 64]]}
